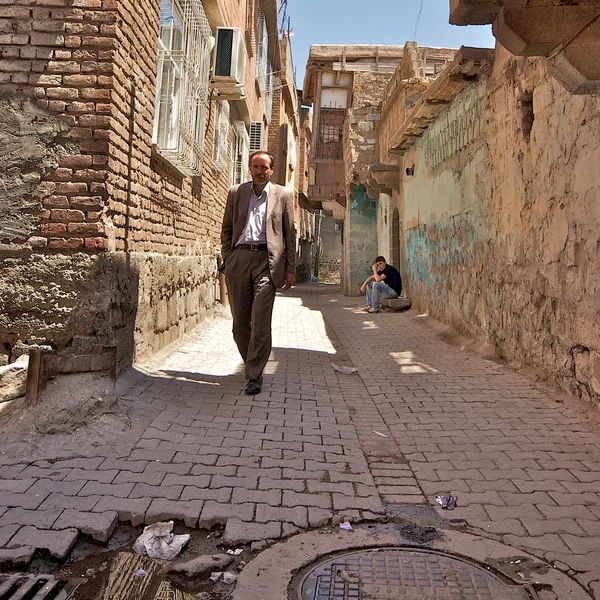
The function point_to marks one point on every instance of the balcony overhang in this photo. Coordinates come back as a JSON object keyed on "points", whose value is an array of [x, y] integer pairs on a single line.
{"points": [[467, 66], [566, 33], [384, 177]]}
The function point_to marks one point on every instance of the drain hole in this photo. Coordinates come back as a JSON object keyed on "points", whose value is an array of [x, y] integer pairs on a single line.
{"points": [[21, 587]]}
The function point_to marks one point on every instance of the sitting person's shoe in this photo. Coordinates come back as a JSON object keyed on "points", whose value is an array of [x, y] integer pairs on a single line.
{"points": [[374, 310], [366, 308], [254, 386]]}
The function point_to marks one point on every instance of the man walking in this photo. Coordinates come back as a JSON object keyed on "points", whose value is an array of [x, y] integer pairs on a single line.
{"points": [[385, 282], [259, 255]]}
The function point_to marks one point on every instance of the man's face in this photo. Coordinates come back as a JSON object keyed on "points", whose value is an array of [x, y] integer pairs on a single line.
{"points": [[380, 265], [261, 170]]}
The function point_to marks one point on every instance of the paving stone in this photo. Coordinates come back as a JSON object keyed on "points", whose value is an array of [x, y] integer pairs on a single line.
{"points": [[239, 532], [17, 486], [128, 509], [242, 495], [118, 464], [341, 502], [318, 517], [298, 515], [76, 502], [14, 558], [42, 519], [87, 464], [191, 492], [268, 483], [215, 513], [98, 525], [48, 486], [548, 542], [120, 490], [57, 543], [7, 532], [30, 501], [322, 500], [49, 472], [162, 509], [141, 490], [103, 476]]}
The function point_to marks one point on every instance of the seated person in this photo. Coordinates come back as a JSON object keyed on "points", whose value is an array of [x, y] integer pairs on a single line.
{"points": [[385, 282]]}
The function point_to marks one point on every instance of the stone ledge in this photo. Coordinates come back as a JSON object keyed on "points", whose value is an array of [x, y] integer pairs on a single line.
{"points": [[396, 304]]}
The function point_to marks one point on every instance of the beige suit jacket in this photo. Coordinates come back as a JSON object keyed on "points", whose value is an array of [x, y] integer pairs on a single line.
{"points": [[281, 237]]}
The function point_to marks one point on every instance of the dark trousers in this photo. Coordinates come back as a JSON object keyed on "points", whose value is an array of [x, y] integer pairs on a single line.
{"points": [[251, 296]]}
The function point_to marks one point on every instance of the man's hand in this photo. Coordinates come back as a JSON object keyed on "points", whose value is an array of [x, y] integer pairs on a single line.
{"points": [[290, 279], [363, 287]]}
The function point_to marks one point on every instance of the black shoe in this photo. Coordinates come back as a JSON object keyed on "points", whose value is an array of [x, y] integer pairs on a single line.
{"points": [[254, 386]]}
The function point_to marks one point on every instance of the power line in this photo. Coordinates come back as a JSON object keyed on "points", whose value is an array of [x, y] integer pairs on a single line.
{"points": [[414, 37]]}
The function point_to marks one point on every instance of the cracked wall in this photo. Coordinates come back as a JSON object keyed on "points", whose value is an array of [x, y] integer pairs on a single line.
{"points": [[502, 221]]}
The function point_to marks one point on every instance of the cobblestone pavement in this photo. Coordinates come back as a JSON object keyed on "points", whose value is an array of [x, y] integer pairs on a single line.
{"points": [[310, 449]]}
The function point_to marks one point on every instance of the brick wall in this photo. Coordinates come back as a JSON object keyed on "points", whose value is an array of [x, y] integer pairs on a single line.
{"points": [[109, 243]]}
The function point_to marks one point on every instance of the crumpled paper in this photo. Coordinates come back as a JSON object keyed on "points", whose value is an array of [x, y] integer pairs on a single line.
{"points": [[158, 541]]}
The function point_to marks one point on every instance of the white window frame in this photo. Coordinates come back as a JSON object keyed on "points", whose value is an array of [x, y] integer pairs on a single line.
{"points": [[268, 94], [262, 51], [185, 44], [240, 153], [221, 135]]}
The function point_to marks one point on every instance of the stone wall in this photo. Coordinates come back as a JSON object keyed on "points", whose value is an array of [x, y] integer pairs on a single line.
{"points": [[502, 217]]}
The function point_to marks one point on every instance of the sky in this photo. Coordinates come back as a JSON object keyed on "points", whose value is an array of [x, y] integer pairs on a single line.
{"points": [[390, 22]]}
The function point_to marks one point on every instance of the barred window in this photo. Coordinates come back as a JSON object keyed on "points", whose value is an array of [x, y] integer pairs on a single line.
{"points": [[240, 153], [220, 145], [262, 50], [268, 91], [329, 141], [184, 49]]}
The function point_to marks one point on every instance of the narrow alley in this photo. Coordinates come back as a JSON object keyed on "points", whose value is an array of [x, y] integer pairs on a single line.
{"points": [[419, 417]]}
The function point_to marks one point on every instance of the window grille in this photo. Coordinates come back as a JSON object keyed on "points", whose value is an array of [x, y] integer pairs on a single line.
{"points": [[240, 153], [329, 142], [268, 91], [262, 50], [185, 44], [221, 136]]}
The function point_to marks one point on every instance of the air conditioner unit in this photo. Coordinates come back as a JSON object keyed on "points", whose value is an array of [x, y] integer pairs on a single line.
{"points": [[229, 59], [257, 136]]}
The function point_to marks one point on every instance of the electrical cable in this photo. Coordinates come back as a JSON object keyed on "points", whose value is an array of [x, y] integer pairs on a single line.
{"points": [[414, 36]]}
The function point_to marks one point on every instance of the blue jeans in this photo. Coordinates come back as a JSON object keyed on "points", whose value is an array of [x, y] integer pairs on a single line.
{"points": [[376, 290]]}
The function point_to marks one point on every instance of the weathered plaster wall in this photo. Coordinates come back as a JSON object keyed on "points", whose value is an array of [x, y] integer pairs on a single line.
{"points": [[360, 245], [360, 151], [28, 149], [502, 221], [384, 217]]}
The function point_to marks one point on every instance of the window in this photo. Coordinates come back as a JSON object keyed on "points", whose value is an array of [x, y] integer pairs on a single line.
{"points": [[185, 44], [268, 91], [220, 145], [240, 153], [262, 49], [329, 142]]}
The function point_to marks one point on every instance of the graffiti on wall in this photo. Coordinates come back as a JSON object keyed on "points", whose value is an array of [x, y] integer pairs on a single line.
{"points": [[452, 132], [438, 249]]}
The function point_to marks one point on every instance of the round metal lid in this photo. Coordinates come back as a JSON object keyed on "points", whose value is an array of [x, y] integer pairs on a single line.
{"points": [[404, 574]]}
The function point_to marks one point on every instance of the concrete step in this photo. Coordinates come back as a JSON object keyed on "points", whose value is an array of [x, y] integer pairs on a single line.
{"points": [[397, 303]]}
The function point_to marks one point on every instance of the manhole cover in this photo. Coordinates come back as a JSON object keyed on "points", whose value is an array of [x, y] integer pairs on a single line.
{"points": [[404, 574]]}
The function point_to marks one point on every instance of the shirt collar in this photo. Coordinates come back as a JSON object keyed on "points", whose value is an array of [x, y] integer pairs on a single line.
{"points": [[266, 190]]}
